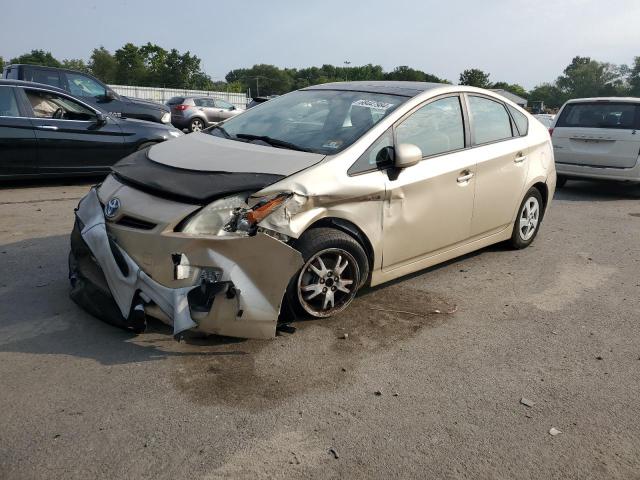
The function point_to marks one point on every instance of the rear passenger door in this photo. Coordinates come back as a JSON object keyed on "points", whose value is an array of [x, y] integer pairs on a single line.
{"points": [[18, 144], [598, 134], [224, 109], [501, 171]]}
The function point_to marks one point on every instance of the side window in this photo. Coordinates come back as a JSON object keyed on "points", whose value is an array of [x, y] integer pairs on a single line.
{"points": [[435, 128], [521, 120], [200, 102], [490, 121], [8, 104], [48, 77], [377, 156], [54, 106], [223, 104], [84, 86]]}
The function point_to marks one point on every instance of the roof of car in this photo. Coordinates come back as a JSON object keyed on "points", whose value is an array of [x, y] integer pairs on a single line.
{"points": [[24, 83], [604, 99], [406, 89]]}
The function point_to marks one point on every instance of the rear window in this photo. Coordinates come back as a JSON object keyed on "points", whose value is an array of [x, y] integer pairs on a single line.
{"points": [[175, 101], [11, 72], [598, 115]]}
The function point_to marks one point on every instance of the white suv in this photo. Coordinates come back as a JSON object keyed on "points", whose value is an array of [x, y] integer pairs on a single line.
{"points": [[598, 138]]}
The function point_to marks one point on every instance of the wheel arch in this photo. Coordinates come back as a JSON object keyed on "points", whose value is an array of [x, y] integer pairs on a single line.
{"points": [[352, 230]]}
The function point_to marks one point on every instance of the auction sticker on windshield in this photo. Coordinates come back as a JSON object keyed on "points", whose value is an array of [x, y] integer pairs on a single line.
{"points": [[372, 104]]}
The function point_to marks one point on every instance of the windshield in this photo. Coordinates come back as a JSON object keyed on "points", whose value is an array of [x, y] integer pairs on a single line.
{"points": [[319, 121]]}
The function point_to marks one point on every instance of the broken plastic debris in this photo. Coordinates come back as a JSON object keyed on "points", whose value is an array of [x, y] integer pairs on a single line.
{"points": [[334, 452], [526, 402], [554, 431]]}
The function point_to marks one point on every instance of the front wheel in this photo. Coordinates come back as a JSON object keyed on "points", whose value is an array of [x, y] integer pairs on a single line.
{"points": [[529, 218], [335, 265]]}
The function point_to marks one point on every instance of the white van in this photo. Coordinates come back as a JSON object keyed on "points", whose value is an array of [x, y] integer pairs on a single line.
{"points": [[597, 138]]}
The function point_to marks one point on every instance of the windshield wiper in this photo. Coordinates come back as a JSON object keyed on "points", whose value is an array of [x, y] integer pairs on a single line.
{"points": [[272, 141]]}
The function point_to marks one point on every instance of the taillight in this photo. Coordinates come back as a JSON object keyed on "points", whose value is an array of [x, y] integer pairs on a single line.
{"points": [[181, 108], [551, 131]]}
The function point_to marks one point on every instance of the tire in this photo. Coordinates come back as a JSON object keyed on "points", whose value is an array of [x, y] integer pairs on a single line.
{"points": [[561, 181], [196, 125], [320, 288], [527, 224]]}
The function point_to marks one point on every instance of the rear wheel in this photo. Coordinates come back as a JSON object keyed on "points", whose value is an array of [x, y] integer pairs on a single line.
{"points": [[196, 125], [529, 218], [335, 264]]}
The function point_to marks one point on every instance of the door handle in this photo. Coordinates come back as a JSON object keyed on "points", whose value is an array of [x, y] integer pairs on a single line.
{"points": [[47, 127], [465, 177], [520, 158]]}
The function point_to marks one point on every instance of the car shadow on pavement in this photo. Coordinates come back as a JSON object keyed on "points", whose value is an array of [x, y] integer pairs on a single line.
{"points": [[597, 190], [38, 317]]}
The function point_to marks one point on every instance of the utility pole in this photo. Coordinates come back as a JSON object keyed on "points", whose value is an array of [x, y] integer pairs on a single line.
{"points": [[346, 71]]}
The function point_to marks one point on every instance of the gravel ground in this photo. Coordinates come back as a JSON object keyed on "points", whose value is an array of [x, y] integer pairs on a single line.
{"points": [[406, 395]]}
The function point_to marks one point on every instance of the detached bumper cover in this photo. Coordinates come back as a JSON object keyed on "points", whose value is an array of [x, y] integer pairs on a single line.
{"points": [[251, 312]]}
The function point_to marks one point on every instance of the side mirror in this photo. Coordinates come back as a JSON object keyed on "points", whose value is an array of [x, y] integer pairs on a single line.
{"points": [[233, 107], [101, 119], [110, 95], [407, 155]]}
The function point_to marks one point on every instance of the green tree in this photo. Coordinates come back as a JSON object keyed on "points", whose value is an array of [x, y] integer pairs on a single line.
{"points": [[406, 73], [475, 78], [37, 57], [103, 65], [548, 93], [76, 64], [511, 87], [1, 63], [634, 78], [585, 77], [263, 79], [130, 68]]}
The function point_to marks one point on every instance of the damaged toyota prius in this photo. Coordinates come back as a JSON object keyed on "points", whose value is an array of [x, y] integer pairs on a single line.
{"points": [[291, 207]]}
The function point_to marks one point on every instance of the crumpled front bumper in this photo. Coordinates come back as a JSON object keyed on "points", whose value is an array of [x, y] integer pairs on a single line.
{"points": [[255, 272]]}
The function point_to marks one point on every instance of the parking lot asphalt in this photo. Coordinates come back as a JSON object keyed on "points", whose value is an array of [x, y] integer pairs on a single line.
{"points": [[411, 393]]}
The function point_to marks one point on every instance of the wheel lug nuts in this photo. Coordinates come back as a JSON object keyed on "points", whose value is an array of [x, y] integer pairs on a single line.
{"points": [[333, 289], [324, 290], [322, 280]]}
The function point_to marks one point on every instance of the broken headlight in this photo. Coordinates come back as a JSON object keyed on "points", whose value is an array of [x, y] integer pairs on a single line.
{"points": [[233, 214]]}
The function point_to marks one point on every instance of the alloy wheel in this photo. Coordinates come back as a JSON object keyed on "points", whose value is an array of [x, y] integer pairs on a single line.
{"points": [[529, 218], [328, 282], [196, 125]]}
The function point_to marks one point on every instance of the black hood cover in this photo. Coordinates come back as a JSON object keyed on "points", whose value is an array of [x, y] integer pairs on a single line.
{"points": [[188, 186]]}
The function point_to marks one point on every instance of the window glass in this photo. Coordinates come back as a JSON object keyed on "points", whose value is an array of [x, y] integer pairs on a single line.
{"points": [[521, 120], [435, 128], [598, 115], [84, 86], [490, 121], [223, 104], [200, 102], [8, 104], [377, 155], [48, 77], [175, 101], [319, 121], [50, 105]]}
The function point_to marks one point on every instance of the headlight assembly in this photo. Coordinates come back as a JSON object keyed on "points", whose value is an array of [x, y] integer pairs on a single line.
{"points": [[166, 118], [233, 215]]}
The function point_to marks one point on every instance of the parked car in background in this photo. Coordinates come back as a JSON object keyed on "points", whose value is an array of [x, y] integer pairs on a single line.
{"points": [[255, 101], [46, 131], [197, 113], [598, 138], [397, 177], [545, 118], [90, 90]]}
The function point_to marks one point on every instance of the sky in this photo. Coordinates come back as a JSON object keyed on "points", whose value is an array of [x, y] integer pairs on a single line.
{"points": [[517, 41]]}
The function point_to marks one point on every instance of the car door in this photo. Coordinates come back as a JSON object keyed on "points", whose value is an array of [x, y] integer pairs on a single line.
{"points": [[204, 106], [18, 144], [502, 165], [70, 137], [224, 109], [429, 206]]}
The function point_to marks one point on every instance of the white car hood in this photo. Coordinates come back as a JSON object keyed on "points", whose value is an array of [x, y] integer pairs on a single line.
{"points": [[201, 151]]}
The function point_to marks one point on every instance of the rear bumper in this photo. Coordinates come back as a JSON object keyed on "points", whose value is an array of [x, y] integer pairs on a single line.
{"points": [[244, 302], [584, 171]]}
